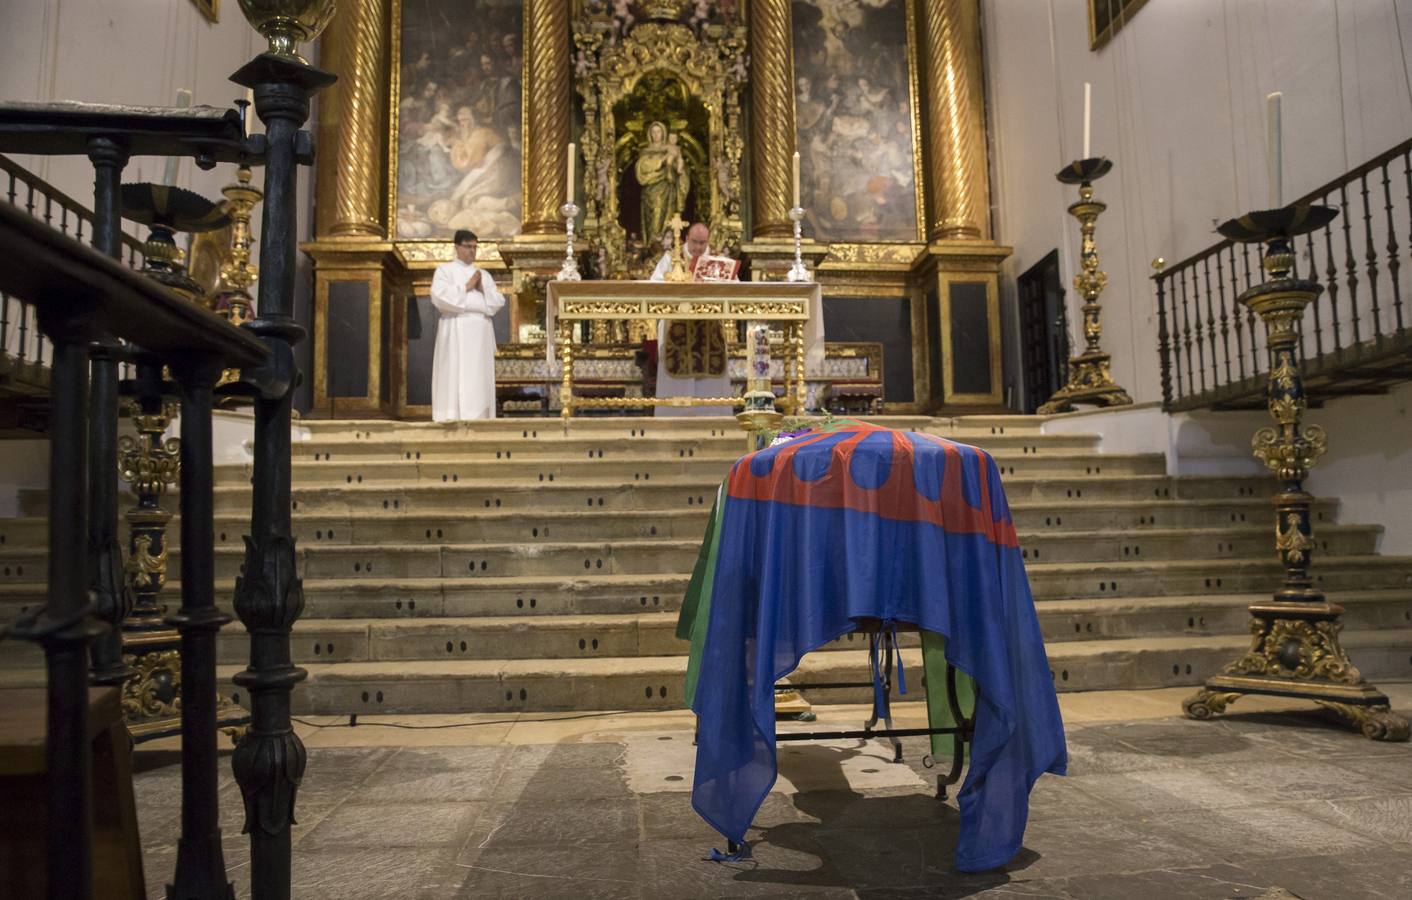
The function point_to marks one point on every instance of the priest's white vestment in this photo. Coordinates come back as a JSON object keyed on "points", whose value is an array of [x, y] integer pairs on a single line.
{"points": [[463, 366], [670, 386]]}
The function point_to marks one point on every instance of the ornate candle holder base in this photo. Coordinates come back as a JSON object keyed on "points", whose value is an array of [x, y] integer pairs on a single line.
{"points": [[1294, 649], [1090, 383], [1090, 380], [1295, 652]]}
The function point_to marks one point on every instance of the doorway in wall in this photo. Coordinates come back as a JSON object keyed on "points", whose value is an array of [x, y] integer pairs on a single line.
{"points": [[1043, 330]]}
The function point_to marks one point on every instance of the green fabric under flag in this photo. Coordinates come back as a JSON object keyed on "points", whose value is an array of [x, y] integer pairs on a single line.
{"points": [[938, 708], [696, 605]]}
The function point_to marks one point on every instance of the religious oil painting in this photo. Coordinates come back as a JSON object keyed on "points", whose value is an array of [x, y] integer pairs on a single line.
{"points": [[459, 138], [853, 110]]}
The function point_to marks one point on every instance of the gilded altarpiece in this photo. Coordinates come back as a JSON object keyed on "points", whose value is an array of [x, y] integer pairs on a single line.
{"points": [[675, 107], [662, 132]]}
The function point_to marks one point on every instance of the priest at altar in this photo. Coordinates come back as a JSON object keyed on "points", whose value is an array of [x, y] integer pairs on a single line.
{"points": [[463, 364], [691, 356]]}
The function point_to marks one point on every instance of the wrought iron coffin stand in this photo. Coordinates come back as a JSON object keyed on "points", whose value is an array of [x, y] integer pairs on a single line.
{"points": [[1295, 649], [79, 294], [882, 644]]}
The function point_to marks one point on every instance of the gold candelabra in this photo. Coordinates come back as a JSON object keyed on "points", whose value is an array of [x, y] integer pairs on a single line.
{"points": [[1294, 649], [232, 298], [1090, 379], [150, 463]]}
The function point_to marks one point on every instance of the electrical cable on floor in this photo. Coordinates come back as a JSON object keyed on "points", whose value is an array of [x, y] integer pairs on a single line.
{"points": [[353, 722]]}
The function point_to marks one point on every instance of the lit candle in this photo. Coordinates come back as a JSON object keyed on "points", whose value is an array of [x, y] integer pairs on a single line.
{"points": [[1088, 116], [1273, 163], [572, 157], [170, 176], [796, 178]]}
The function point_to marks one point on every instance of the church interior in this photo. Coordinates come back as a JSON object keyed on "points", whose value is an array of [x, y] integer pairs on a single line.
{"points": [[949, 359]]}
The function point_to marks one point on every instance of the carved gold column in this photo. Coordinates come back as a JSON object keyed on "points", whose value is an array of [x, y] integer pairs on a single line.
{"points": [[771, 118], [547, 93], [349, 179], [957, 191]]}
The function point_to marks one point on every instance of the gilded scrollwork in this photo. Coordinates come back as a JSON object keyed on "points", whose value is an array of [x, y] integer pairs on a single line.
{"points": [[155, 690], [1296, 648], [146, 565], [1289, 451], [609, 69], [1292, 541], [1377, 722]]}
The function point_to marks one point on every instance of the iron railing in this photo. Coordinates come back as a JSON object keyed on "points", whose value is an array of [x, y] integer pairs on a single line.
{"points": [[1355, 337], [25, 353]]}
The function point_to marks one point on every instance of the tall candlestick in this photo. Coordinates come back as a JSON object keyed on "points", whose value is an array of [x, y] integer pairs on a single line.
{"points": [[572, 159], [796, 178], [1088, 116], [1273, 162], [170, 176]]}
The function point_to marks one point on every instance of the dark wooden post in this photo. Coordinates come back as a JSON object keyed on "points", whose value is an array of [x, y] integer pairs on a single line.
{"points": [[65, 627], [200, 867], [269, 596], [111, 602]]}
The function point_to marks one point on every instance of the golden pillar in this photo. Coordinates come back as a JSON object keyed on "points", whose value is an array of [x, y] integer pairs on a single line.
{"points": [[771, 119], [349, 182], [547, 93], [958, 193]]}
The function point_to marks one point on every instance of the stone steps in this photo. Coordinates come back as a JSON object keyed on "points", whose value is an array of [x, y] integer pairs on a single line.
{"points": [[385, 431], [542, 443], [656, 556], [546, 570], [677, 492], [365, 527], [654, 633], [1076, 586], [655, 682], [629, 466]]}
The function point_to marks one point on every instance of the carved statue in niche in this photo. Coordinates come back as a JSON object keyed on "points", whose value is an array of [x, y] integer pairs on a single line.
{"points": [[661, 180], [661, 135]]}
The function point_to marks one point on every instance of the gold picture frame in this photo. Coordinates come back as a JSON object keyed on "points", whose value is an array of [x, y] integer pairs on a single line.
{"points": [[211, 9]]}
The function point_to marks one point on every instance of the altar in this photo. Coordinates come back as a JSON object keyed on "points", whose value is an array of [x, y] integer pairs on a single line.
{"points": [[499, 115], [797, 307]]}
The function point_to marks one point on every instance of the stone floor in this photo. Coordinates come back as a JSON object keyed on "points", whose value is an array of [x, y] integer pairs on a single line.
{"points": [[1260, 804]]}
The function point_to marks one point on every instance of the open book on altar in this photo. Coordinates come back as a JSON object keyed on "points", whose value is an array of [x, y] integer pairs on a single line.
{"points": [[716, 268]]}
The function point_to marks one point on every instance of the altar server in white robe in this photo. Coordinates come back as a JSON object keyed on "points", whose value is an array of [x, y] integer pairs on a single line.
{"points": [[698, 237], [463, 366]]}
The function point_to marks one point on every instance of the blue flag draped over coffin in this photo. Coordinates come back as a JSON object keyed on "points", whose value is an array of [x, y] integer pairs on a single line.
{"points": [[861, 521]]}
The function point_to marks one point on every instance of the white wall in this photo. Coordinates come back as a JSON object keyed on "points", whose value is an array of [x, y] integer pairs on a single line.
{"points": [[1368, 466], [1178, 105], [139, 52]]}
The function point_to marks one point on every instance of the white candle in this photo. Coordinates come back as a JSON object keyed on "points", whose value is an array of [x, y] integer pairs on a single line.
{"points": [[796, 178], [170, 176], [1088, 115], [572, 158], [1273, 162]]}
